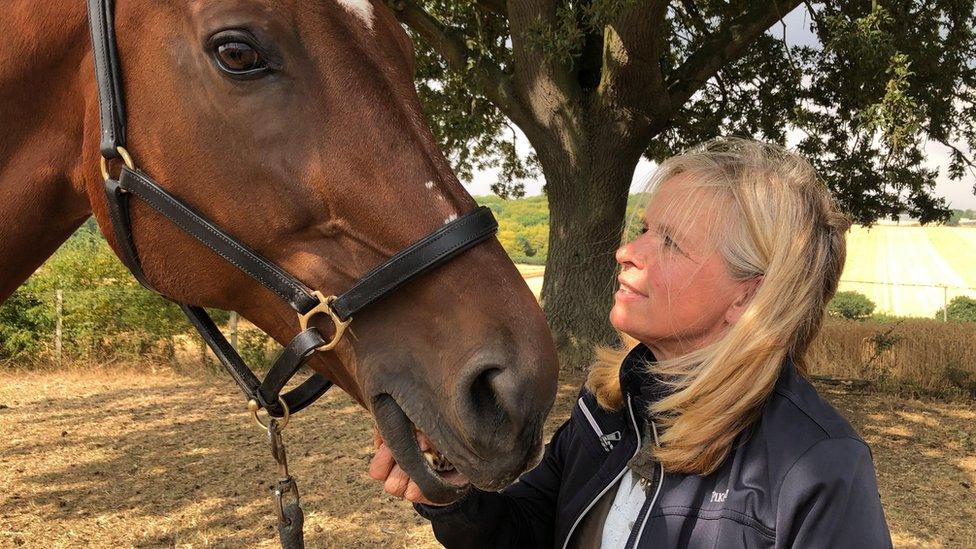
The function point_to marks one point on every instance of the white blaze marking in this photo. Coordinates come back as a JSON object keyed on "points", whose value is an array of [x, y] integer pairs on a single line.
{"points": [[450, 218], [429, 185], [362, 9]]}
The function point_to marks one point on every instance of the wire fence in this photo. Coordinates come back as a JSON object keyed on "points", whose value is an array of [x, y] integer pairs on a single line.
{"points": [[109, 323], [103, 322], [909, 299]]}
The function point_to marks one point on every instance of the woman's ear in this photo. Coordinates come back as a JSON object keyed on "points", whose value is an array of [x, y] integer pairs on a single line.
{"points": [[746, 290]]}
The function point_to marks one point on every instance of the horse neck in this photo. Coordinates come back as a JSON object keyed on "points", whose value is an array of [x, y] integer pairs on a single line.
{"points": [[45, 98]]}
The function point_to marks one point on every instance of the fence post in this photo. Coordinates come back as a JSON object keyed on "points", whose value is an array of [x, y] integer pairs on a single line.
{"points": [[945, 304], [233, 329], [58, 310]]}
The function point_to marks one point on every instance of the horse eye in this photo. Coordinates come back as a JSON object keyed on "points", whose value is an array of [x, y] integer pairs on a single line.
{"points": [[237, 58]]}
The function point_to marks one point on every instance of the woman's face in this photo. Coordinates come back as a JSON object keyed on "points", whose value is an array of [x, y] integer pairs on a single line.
{"points": [[675, 294]]}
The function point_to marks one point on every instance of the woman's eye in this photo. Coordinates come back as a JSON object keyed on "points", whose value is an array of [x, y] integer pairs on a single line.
{"points": [[238, 58], [668, 243]]}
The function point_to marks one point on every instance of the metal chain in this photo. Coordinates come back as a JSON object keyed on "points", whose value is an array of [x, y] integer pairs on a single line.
{"points": [[285, 493]]}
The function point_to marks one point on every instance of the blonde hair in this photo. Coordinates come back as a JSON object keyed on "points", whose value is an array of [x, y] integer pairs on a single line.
{"points": [[785, 228]]}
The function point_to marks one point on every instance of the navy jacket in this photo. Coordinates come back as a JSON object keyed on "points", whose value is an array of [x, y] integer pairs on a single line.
{"points": [[799, 477]]}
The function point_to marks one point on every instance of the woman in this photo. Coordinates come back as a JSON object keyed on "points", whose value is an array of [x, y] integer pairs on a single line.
{"points": [[707, 434]]}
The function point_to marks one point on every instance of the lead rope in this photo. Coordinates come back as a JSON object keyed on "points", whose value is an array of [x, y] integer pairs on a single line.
{"points": [[284, 491]]}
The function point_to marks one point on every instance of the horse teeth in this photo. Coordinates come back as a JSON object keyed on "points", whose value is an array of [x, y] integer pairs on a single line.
{"points": [[437, 461]]}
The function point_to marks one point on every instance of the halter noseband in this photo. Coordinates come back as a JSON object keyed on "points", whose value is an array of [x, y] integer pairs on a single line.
{"points": [[435, 249]]}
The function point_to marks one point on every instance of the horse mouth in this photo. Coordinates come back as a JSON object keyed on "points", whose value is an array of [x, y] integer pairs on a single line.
{"points": [[415, 453]]}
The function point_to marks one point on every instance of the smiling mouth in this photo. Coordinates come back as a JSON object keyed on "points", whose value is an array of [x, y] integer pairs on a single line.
{"points": [[628, 289], [415, 453]]}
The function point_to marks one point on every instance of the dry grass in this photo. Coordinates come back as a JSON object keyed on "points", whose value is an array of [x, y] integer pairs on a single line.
{"points": [[110, 459], [531, 271], [916, 355]]}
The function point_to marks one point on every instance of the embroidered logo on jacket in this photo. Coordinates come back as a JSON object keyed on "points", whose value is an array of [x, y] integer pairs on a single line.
{"points": [[719, 497]]}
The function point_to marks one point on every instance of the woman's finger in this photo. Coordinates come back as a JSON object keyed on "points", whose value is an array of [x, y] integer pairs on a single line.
{"points": [[414, 495], [396, 483], [382, 463]]}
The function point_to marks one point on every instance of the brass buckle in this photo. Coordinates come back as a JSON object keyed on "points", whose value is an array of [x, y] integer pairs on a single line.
{"points": [[325, 306], [125, 158]]}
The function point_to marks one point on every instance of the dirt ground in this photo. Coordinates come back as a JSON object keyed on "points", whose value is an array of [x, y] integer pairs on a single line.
{"points": [[108, 459]]}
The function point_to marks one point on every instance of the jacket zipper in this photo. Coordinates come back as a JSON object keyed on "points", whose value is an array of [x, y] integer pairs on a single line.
{"points": [[657, 492], [633, 421], [606, 440]]}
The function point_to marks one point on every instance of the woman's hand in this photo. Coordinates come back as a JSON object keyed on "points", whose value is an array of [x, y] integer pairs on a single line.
{"points": [[395, 480]]}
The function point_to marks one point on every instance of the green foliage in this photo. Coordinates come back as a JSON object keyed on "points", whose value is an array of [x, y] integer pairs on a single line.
{"points": [[885, 318], [256, 348], [885, 78], [24, 320], [850, 305], [523, 224], [961, 309], [958, 215], [105, 313], [472, 132]]}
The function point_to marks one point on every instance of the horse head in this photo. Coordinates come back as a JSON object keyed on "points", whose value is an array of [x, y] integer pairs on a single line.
{"points": [[295, 126]]}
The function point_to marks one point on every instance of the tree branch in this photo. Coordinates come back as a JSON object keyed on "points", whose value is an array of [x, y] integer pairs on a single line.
{"points": [[696, 17], [632, 79], [724, 46], [547, 83], [965, 158], [448, 43], [496, 7]]}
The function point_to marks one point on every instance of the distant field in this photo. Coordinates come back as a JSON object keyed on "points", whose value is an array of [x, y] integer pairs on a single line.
{"points": [[533, 277], [882, 260], [930, 256]]}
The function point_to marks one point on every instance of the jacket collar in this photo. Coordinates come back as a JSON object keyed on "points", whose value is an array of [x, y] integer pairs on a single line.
{"points": [[644, 389], [637, 381]]}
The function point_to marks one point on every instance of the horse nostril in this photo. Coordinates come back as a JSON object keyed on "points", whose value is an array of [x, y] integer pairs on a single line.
{"points": [[482, 391], [483, 397]]}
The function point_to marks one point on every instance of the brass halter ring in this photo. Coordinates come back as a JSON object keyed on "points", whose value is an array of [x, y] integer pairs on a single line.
{"points": [[324, 306], [125, 158], [253, 406]]}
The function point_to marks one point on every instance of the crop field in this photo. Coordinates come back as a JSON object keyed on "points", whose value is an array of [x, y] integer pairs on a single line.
{"points": [[901, 269], [892, 265]]}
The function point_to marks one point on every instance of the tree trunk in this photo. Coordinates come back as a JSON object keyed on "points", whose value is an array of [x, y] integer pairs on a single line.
{"points": [[587, 206]]}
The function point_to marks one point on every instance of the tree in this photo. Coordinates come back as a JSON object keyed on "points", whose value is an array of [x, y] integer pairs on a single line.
{"points": [[960, 309], [596, 84], [850, 305], [954, 218]]}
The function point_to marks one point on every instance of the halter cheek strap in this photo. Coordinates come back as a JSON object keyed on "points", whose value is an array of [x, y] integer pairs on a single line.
{"points": [[435, 249]]}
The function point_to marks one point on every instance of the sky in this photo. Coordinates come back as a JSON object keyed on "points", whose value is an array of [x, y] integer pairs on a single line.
{"points": [[959, 194]]}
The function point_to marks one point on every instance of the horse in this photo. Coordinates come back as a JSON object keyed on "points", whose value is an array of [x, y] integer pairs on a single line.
{"points": [[295, 126]]}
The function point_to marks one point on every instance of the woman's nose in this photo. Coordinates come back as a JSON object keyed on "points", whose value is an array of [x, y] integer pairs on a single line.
{"points": [[625, 254]]}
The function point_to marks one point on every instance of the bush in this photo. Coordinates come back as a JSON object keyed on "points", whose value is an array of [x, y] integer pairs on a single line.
{"points": [[24, 322], [257, 349], [960, 309], [105, 313], [850, 305]]}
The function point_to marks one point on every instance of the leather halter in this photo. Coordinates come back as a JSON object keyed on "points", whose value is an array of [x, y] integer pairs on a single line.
{"points": [[433, 250]]}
